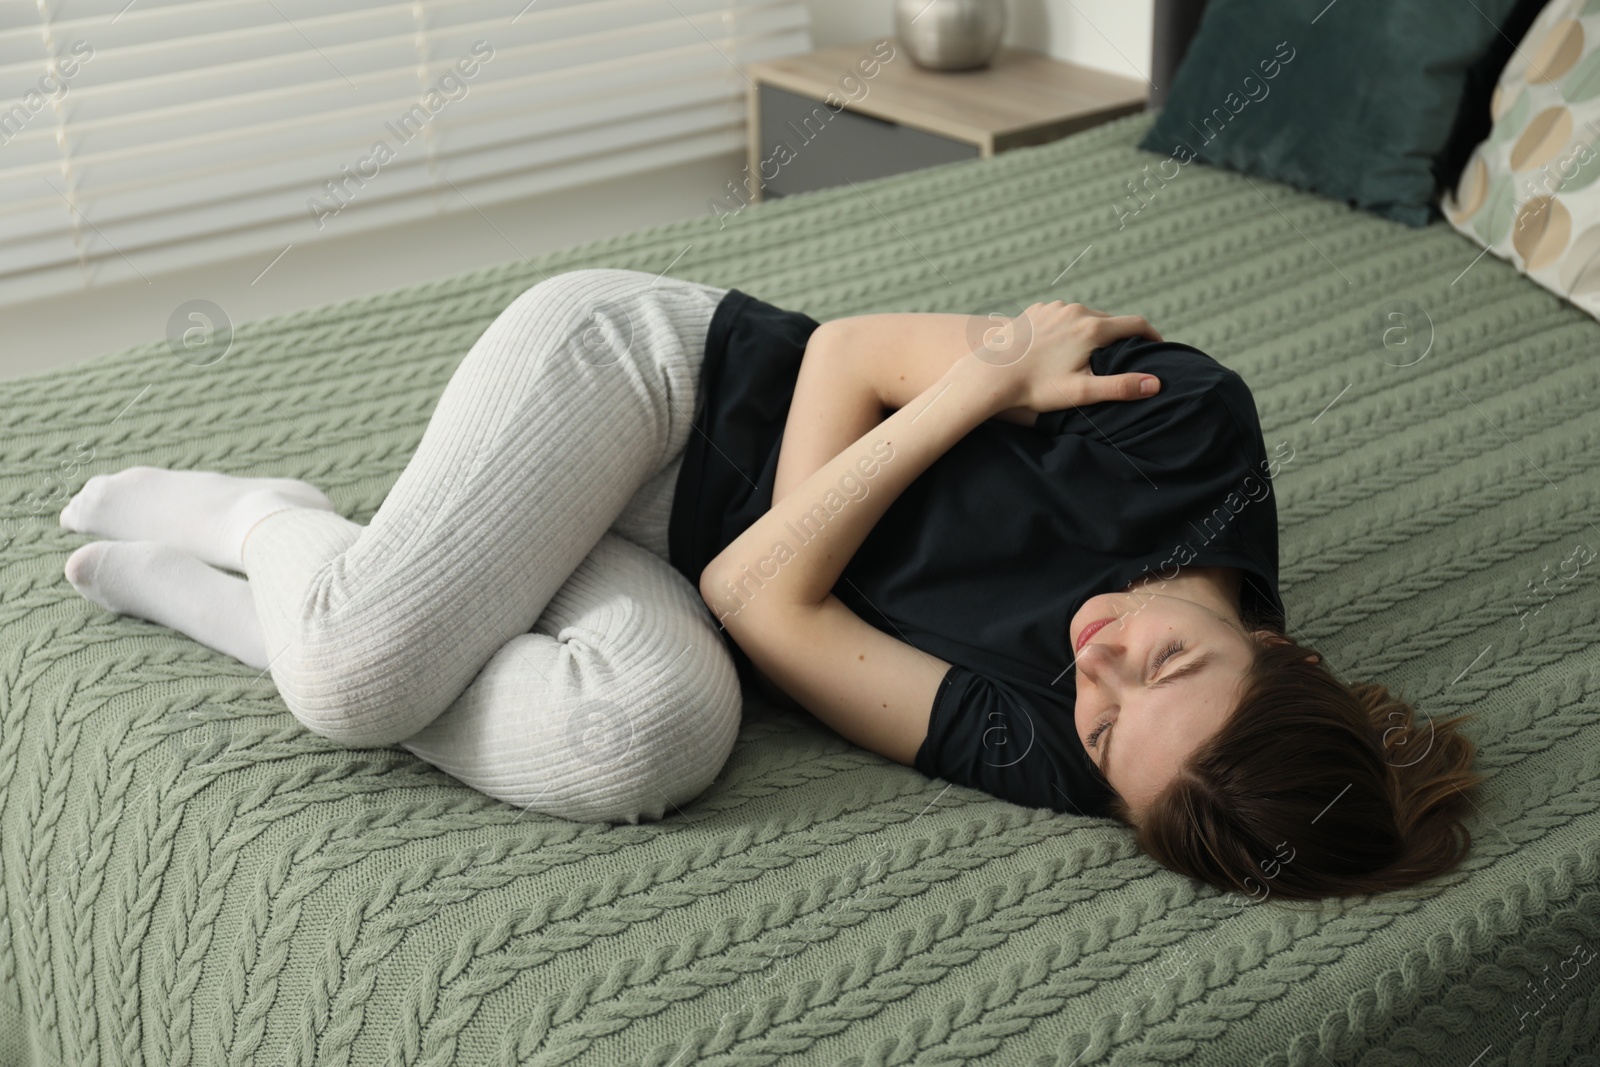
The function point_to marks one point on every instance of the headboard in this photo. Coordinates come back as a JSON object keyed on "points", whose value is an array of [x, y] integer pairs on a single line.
{"points": [[1175, 23]]}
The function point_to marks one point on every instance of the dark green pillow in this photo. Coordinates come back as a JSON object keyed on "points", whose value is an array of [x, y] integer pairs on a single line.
{"points": [[1354, 99]]}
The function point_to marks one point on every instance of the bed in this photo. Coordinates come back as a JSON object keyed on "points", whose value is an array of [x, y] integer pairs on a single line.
{"points": [[191, 877]]}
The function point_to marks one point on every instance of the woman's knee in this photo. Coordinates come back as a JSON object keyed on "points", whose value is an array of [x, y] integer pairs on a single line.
{"points": [[648, 750], [365, 694]]}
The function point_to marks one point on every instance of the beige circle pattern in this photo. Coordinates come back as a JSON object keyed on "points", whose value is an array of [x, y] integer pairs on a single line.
{"points": [[1529, 192], [1544, 136], [1557, 52]]}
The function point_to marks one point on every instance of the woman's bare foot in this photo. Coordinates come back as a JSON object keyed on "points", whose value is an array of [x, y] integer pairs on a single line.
{"points": [[203, 513]]}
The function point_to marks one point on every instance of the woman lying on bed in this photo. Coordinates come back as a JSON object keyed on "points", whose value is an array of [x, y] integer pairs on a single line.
{"points": [[1036, 556]]}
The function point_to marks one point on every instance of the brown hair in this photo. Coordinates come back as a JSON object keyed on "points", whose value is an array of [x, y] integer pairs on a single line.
{"points": [[1313, 788]]}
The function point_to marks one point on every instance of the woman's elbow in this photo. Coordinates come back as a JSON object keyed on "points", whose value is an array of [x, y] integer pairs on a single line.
{"points": [[719, 591]]}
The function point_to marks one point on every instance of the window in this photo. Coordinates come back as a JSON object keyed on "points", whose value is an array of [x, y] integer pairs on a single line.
{"points": [[141, 136]]}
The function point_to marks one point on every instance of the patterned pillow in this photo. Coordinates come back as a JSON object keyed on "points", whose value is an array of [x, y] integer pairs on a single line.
{"points": [[1529, 192]]}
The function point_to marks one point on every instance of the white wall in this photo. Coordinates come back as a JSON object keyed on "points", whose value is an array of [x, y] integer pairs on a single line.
{"points": [[1112, 35]]}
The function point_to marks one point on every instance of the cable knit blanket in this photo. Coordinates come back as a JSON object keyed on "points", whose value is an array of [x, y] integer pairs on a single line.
{"points": [[191, 878]]}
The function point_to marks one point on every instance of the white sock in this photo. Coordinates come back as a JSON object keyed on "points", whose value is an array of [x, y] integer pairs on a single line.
{"points": [[203, 513], [150, 580]]}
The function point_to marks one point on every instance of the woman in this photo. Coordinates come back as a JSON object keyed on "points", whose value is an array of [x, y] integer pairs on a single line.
{"points": [[1036, 556]]}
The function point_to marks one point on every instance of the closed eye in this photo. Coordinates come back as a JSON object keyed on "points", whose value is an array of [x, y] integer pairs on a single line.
{"points": [[1194, 666], [1165, 654]]}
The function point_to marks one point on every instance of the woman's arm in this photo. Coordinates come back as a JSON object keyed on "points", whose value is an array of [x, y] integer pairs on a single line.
{"points": [[854, 369], [772, 587], [857, 367]]}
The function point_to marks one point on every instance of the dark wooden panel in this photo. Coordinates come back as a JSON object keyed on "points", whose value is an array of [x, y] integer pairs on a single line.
{"points": [[828, 147], [1175, 24]]}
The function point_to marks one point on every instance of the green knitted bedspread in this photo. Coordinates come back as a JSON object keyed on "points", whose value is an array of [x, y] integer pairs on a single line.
{"points": [[189, 877]]}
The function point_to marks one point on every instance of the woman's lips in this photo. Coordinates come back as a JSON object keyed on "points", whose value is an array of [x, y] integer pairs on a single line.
{"points": [[1090, 630]]}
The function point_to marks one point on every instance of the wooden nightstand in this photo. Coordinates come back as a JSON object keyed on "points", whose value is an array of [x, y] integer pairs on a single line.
{"points": [[863, 111]]}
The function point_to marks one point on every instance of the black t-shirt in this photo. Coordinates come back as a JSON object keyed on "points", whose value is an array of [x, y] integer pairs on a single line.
{"points": [[984, 559]]}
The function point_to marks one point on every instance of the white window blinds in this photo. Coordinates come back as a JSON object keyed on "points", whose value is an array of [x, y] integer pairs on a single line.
{"points": [[145, 136]]}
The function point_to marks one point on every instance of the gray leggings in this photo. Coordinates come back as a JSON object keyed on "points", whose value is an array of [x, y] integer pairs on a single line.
{"points": [[509, 615]]}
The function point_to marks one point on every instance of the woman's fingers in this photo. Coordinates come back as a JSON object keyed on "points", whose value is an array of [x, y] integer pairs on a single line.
{"points": [[1065, 335], [1106, 327], [1133, 386], [1122, 387], [1116, 326]]}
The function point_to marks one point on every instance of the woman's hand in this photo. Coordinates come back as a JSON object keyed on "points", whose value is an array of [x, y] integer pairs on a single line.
{"points": [[1039, 361]]}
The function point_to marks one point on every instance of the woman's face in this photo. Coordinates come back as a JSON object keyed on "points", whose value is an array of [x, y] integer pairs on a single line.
{"points": [[1165, 672]]}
